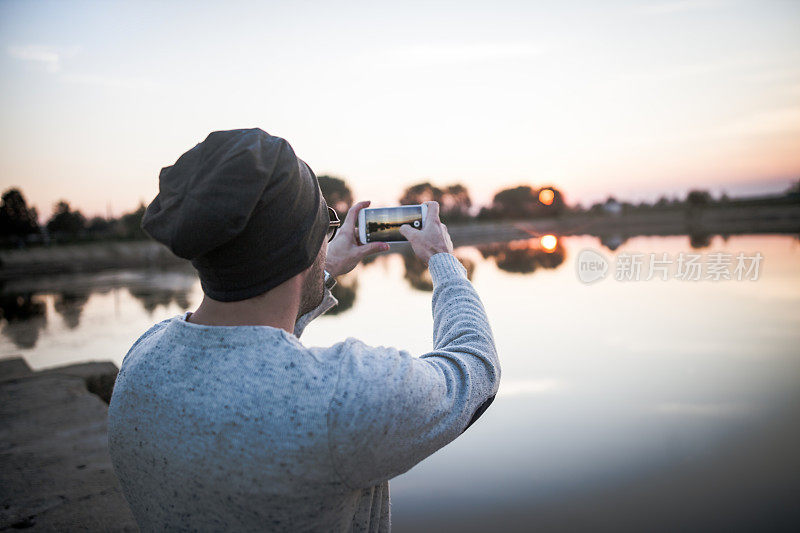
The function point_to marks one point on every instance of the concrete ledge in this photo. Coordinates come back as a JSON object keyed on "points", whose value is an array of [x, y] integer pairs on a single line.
{"points": [[14, 368], [99, 377], [56, 470]]}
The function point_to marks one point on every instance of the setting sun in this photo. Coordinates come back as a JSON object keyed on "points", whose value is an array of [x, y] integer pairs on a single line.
{"points": [[546, 196], [549, 242]]}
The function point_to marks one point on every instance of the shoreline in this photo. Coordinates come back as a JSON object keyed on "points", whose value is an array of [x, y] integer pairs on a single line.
{"points": [[612, 228]]}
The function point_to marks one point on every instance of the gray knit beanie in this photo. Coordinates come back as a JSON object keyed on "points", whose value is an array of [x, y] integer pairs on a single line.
{"points": [[245, 210]]}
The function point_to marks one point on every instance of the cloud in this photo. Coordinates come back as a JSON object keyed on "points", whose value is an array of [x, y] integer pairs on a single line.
{"points": [[110, 81], [680, 6], [449, 54], [51, 59], [48, 57]]}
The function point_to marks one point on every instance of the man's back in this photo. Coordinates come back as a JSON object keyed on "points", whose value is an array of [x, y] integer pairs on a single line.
{"points": [[244, 428]]}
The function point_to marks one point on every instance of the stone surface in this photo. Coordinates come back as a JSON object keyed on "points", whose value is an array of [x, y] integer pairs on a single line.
{"points": [[56, 470], [14, 368]]}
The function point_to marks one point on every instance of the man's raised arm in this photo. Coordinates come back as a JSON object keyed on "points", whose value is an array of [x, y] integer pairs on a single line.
{"points": [[391, 410]]}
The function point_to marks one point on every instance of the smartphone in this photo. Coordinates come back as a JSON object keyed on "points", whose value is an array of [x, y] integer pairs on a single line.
{"points": [[383, 223]]}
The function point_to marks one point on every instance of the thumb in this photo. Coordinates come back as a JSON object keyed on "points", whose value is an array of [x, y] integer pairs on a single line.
{"points": [[407, 231]]}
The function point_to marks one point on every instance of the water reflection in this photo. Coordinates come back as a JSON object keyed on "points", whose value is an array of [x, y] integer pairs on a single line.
{"points": [[344, 291], [697, 240], [19, 306], [418, 275], [152, 298], [524, 256], [70, 305], [24, 309], [23, 318], [24, 315], [700, 240], [654, 397], [613, 241]]}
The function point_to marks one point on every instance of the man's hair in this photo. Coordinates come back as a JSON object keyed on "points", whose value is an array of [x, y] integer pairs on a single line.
{"points": [[313, 285]]}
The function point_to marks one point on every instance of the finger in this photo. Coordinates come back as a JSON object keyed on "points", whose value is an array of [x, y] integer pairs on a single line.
{"points": [[407, 231], [433, 209], [352, 214], [357, 236], [373, 248]]}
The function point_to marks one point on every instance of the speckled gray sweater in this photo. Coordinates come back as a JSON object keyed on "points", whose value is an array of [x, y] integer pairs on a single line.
{"points": [[243, 428]]}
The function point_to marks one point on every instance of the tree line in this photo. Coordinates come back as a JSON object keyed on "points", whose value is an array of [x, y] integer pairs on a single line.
{"points": [[20, 226], [455, 203]]}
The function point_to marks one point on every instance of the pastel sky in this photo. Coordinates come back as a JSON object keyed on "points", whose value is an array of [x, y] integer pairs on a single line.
{"points": [[633, 99]]}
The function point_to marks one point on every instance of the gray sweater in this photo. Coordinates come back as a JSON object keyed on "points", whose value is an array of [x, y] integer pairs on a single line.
{"points": [[243, 428]]}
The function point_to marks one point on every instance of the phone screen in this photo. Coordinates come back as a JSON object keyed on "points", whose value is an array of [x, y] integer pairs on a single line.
{"points": [[383, 223]]}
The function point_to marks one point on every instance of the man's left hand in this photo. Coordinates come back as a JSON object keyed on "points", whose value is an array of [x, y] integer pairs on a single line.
{"points": [[344, 251]]}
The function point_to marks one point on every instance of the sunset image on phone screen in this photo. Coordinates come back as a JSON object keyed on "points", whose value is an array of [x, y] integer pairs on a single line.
{"points": [[383, 224]]}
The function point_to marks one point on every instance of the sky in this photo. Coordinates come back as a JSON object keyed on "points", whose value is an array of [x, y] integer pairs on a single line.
{"points": [[635, 99]]}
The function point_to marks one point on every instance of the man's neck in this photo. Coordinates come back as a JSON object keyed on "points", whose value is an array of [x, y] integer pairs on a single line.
{"points": [[277, 308]]}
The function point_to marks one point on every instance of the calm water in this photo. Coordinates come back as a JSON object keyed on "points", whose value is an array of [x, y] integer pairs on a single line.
{"points": [[623, 405]]}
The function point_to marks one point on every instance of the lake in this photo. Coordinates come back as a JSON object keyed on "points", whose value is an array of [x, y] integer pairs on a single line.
{"points": [[624, 404]]}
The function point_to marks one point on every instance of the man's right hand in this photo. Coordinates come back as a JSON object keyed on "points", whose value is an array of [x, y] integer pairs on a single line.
{"points": [[432, 238]]}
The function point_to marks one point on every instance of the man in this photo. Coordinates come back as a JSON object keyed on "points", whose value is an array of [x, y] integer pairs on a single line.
{"points": [[221, 419]]}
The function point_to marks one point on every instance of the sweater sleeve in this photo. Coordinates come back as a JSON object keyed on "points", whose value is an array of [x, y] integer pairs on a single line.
{"points": [[391, 410], [328, 301]]}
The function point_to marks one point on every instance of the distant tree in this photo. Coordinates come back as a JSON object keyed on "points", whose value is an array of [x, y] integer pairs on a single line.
{"points": [[697, 198], [525, 202], [129, 225], [517, 202], [17, 220], [794, 189], [65, 221], [99, 226], [337, 194], [454, 201], [596, 208], [421, 192]]}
